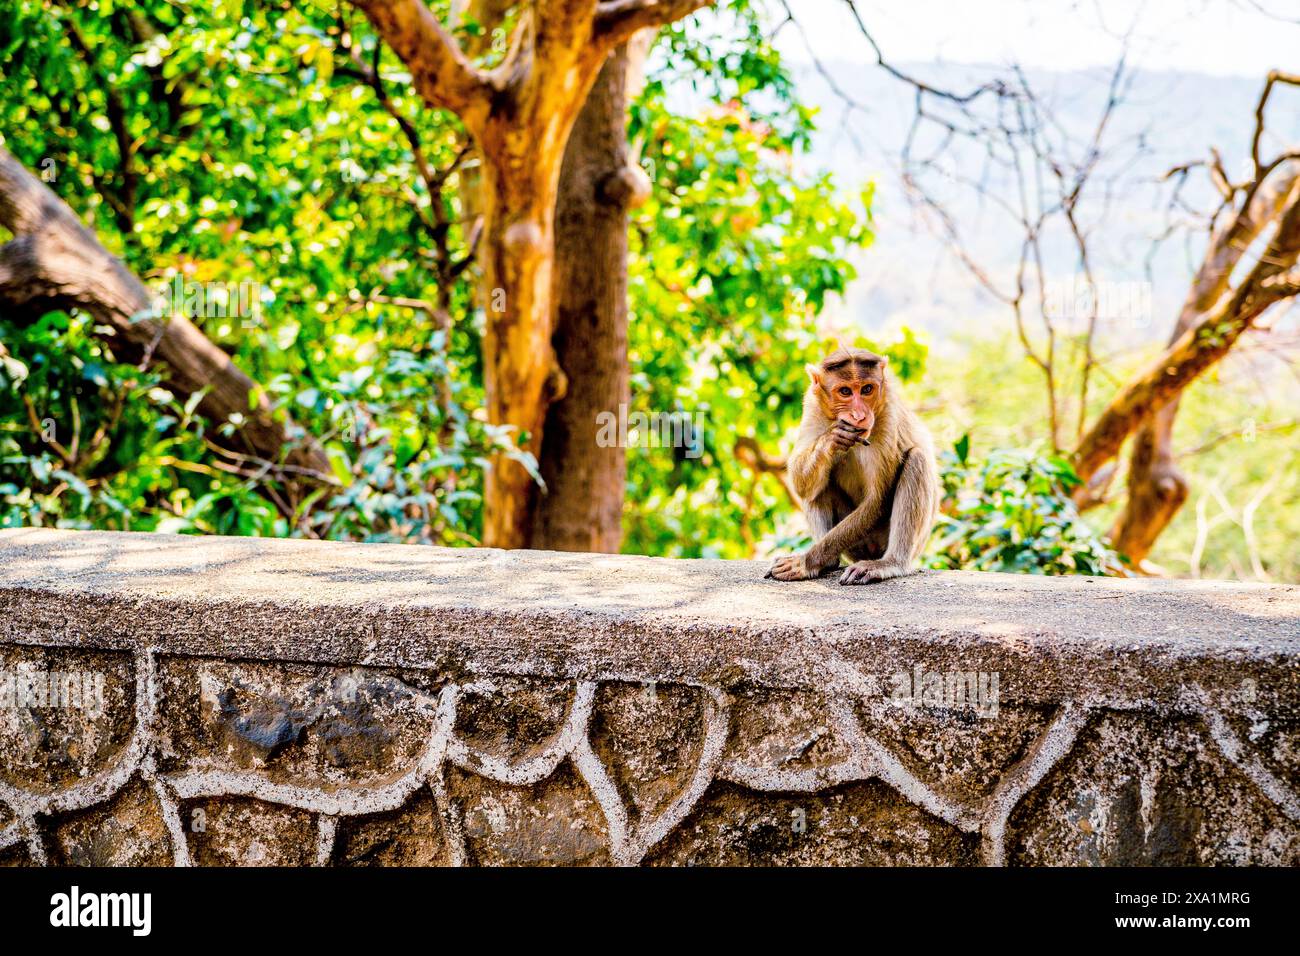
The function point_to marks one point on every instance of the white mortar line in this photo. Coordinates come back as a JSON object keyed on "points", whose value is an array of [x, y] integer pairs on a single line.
{"points": [[1050, 748], [326, 828], [628, 844], [106, 785], [171, 814], [448, 812], [10, 835], [35, 844], [533, 769], [1231, 747], [717, 730], [891, 770]]}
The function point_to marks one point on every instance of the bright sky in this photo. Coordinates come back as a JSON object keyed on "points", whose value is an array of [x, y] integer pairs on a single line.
{"points": [[1222, 37]]}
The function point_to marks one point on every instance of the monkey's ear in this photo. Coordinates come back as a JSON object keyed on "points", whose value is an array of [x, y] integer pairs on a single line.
{"points": [[814, 374]]}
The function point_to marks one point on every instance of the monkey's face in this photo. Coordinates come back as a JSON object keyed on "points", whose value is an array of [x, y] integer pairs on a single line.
{"points": [[851, 387]]}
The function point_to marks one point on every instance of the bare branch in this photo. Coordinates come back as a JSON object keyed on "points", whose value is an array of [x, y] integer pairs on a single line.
{"points": [[996, 87], [1196, 349], [1274, 77]]}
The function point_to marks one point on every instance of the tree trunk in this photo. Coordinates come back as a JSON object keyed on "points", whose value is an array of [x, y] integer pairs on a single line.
{"points": [[1200, 346], [54, 262], [521, 172], [1157, 487], [600, 181], [520, 115]]}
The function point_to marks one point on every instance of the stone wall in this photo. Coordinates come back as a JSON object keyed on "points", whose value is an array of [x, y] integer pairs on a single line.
{"points": [[238, 701]]}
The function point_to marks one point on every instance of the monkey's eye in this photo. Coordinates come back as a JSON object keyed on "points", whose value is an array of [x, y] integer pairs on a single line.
{"points": [[846, 391], [868, 389]]}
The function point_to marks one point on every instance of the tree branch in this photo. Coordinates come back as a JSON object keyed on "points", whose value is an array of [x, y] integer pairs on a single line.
{"points": [[616, 20], [1199, 347], [1274, 77], [441, 72]]}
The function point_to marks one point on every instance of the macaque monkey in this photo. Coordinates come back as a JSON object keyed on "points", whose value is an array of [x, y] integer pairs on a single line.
{"points": [[863, 467]]}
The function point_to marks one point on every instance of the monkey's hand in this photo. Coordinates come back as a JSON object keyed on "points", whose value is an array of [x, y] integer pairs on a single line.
{"points": [[843, 436], [795, 567], [864, 572]]}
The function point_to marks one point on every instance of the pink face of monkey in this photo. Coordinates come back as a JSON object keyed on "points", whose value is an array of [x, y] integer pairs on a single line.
{"points": [[851, 387]]}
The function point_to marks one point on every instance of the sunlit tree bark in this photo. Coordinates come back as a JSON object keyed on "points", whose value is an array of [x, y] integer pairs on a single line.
{"points": [[1157, 487], [599, 182], [1204, 342], [520, 115]]}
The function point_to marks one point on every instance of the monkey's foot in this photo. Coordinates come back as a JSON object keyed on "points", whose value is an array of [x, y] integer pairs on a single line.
{"points": [[795, 567], [864, 572]]}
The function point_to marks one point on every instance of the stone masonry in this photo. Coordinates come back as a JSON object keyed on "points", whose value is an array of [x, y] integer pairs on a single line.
{"points": [[224, 701]]}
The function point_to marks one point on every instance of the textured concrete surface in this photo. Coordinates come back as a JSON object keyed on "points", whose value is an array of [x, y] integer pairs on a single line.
{"points": [[272, 701]]}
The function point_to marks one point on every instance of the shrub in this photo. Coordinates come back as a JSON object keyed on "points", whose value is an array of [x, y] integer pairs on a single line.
{"points": [[1013, 512]]}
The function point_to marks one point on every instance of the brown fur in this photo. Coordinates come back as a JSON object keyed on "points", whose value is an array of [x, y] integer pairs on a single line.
{"points": [[863, 467]]}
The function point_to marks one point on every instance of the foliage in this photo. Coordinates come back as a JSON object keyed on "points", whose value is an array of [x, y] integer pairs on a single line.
{"points": [[733, 257], [1235, 435], [251, 156], [238, 141], [257, 155], [1013, 512]]}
